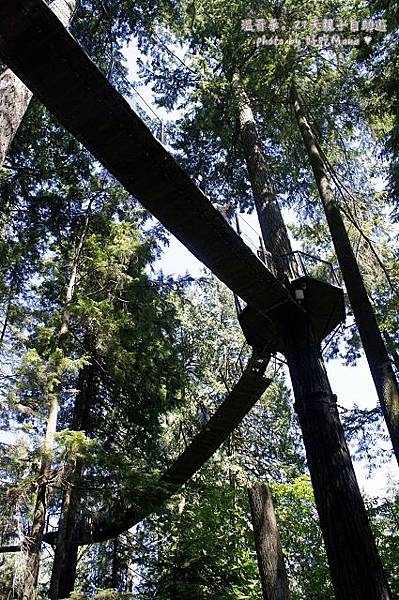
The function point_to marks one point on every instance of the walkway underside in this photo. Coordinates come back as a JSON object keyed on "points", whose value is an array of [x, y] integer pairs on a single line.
{"points": [[133, 508], [36, 46]]}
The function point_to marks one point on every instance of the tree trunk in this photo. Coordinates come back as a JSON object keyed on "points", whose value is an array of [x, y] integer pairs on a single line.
{"points": [[68, 573], [15, 96], [63, 573], [376, 353], [33, 541], [272, 571], [10, 298], [274, 231], [355, 566], [115, 564], [14, 101], [391, 347], [35, 538]]}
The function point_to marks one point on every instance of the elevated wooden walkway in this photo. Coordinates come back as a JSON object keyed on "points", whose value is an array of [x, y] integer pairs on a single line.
{"points": [[128, 511], [36, 46], [241, 399]]}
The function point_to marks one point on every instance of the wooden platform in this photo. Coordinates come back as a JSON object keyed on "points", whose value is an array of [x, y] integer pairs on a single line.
{"points": [[36, 46], [323, 302]]}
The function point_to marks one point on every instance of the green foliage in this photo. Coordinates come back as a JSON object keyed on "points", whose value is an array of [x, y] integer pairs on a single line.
{"points": [[146, 360], [85, 325], [103, 595], [75, 445], [207, 552], [304, 552], [203, 547], [384, 519]]}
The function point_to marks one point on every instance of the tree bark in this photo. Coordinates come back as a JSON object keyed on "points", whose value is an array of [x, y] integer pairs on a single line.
{"points": [[355, 567], [271, 566], [274, 231], [376, 353], [14, 101], [15, 96], [63, 573]]}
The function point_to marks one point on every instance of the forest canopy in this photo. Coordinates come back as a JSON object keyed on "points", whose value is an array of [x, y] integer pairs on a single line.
{"points": [[172, 434]]}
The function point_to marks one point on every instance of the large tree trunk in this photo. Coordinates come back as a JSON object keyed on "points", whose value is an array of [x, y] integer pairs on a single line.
{"points": [[272, 571], [14, 101], [274, 231], [377, 356], [115, 564], [68, 573], [10, 298], [65, 563], [34, 540], [355, 566], [15, 96]]}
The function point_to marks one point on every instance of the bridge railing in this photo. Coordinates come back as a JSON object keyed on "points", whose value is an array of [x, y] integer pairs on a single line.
{"points": [[300, 264], [252, 238], [148, 116], [290, 266]]}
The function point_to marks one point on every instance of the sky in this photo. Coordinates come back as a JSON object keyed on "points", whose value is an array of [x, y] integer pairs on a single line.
{"points": [[352, 384]]}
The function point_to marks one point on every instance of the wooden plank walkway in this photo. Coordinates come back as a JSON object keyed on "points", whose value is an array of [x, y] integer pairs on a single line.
{"points": [[36, 46], [244, 395], [129, 511]]}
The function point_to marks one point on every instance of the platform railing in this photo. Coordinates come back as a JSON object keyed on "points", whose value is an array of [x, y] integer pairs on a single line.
{"points": [[300, 264], [291, 266]]}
